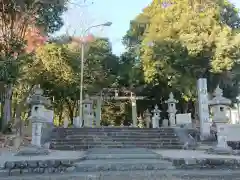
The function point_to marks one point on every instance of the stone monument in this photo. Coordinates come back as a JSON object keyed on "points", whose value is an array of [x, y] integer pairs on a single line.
{"points": [[171, 102], [203, 110], [156, 117]]}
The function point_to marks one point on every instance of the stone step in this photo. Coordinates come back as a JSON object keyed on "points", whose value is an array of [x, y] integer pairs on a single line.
{"points": [[115, 133], [116, 142], [87, 141], [119, 151], [90, 130], [122, 134], [123, 156], [117, 137], [122, 165], [90, 137], [113, 129], [82, 147]]}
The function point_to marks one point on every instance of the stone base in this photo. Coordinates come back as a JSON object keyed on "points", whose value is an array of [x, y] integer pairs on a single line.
{"points": [[33, 151], [117, 159], [220, 150]]}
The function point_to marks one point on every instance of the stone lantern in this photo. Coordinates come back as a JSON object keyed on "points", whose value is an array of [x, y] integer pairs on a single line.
{"points": [[219, 106], [140, 122], [156, 117], [88, 116], [147, 118], [38, 118], [172, 109]]}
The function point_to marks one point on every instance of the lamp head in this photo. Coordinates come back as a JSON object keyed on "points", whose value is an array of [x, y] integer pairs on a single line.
{"points": [[107, 24]]}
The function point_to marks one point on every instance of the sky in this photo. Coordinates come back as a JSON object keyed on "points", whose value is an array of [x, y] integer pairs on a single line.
{"points": [[119, 12]]}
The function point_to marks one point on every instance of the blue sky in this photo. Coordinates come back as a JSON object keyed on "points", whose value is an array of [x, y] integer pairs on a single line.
{"points": [[119, 12]]}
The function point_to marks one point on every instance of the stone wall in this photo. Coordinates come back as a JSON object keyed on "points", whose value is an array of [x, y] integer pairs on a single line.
{"points": [[37, 166]]}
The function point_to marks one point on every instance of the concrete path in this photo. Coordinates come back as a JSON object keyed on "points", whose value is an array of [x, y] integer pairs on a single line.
{"points": [[192, 154]]}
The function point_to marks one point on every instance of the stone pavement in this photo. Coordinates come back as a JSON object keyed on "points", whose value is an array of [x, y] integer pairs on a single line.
{"points": [[7, 156], [117, 163], [138, 175], [189, 154], [199, 159], [117, 159]]}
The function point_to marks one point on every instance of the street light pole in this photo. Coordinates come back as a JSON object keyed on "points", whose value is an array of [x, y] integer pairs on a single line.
{"points": [[238, 110], [82, 70]]}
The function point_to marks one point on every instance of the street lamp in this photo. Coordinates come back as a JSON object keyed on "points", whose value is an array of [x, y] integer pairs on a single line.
{"points": [[238, 110], [82, 67]]}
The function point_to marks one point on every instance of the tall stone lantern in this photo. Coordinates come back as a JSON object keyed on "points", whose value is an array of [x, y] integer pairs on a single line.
{"points": [[156, 117], [171, 102], [219, 106], [38, 103]]}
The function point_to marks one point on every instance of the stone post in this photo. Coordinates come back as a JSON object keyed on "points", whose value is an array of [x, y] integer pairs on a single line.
{"points": [[134, 110], [87, 111], [147, 118], [171, 102], [38, 103], [203, 110], [65, 122], [98, 111], [140, 122], [156, 117]]}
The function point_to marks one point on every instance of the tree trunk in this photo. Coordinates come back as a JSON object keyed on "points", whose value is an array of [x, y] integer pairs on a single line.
{"points": [[70, 111], [7, 106], [19, 124]]}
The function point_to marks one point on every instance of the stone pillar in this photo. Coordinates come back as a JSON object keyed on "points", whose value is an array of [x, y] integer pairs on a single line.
{"points": [[222, 146], [147, 118], [87, 111], [222, 139], [36, 132], [171, 102], [65, 123], [38, 102], [134, 110], [98, 111], [140, 122], [156, 117], [203, 110]]}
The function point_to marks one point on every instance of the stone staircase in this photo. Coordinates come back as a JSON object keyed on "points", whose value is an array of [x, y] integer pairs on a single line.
{"points": [[114, 137]]}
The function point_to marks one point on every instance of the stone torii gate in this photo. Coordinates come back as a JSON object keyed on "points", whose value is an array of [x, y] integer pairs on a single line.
{"points": [[105, 95]]}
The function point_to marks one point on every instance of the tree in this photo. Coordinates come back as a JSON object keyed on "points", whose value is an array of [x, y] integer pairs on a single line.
{"points": [[21, 21], [188, 40], [57, 68]]}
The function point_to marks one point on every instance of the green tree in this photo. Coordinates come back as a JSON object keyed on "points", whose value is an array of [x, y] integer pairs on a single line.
{"points": [[182, 41], [57, 68], [21, 22]]}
